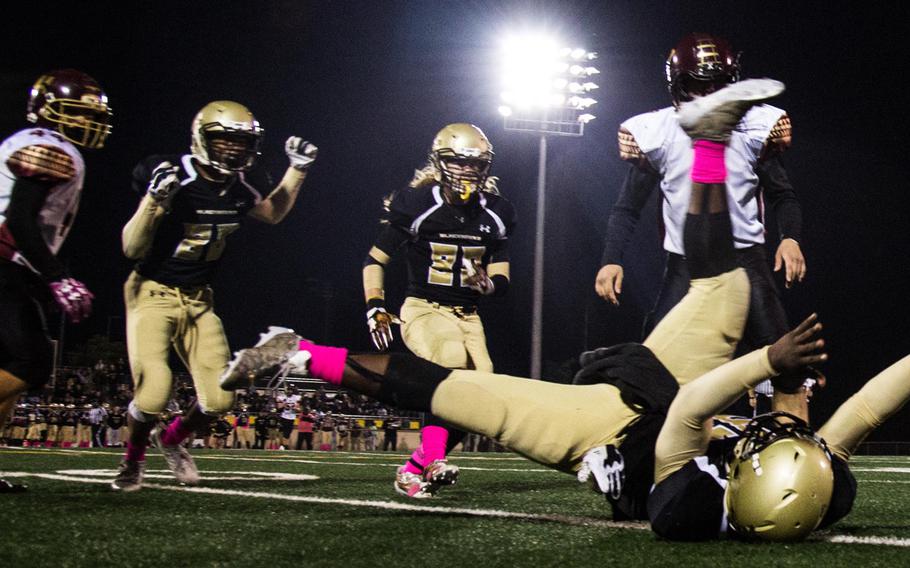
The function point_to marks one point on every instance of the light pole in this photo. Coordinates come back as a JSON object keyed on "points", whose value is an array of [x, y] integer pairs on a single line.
{"points": [[546, 91]]}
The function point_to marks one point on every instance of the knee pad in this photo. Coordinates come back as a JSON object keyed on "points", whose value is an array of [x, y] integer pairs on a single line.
{"points": [[409, 382]]}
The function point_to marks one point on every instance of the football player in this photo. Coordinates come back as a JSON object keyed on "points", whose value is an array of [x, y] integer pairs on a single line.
{"points": [[604, 427], [660, 154], [455, 226], [191, 204], [41, 176], [779, 480]]}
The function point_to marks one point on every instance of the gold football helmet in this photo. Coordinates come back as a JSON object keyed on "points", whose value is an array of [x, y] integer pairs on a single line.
{"points": [[226, 136], [461, 156], [780, 481]]}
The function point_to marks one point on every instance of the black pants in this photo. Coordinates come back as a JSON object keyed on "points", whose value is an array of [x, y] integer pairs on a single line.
{"points": [[767, 320], [305, 437], [25, 350], [391, 439]]}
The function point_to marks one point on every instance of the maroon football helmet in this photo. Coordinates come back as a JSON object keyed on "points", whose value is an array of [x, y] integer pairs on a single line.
{"points": [[72, 104], [699, 64]]}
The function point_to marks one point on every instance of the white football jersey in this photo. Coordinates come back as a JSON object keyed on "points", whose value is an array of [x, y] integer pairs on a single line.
{"points": [[669, 150], [62, 203]]}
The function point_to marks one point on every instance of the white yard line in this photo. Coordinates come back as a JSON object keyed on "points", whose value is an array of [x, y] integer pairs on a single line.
{"points": [[449, 511]]}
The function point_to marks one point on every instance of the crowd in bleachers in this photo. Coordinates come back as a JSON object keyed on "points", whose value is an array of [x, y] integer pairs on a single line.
{"points": [[86, 407]]}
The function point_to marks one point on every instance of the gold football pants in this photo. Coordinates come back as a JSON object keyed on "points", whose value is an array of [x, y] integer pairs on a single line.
{"points": [[701, 332], [550, 423], [445, 335], [556, 424], [159, 317]]}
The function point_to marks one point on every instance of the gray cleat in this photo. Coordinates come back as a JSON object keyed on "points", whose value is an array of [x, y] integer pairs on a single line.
{"points": [[129, 478], [714, 116], [178, 459], [275, 348]]}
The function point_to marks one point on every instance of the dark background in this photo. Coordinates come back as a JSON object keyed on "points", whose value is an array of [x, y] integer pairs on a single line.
{"points": [[371, 83]]}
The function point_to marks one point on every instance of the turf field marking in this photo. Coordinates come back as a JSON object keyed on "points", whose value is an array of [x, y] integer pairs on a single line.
{"points": [[877, 540], [211, 476], [453, 511], [294, 459]]}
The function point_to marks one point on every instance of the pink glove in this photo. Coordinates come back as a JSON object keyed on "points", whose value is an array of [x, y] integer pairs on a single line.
{"points": [[73, 298]]}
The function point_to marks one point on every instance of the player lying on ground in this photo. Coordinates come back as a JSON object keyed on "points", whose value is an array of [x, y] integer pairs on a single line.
{"points": [[608, 422], [779, 480]]}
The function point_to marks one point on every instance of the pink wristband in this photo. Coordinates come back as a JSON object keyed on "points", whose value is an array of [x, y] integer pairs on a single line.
{"points": [[326, 363], [708, 165]]}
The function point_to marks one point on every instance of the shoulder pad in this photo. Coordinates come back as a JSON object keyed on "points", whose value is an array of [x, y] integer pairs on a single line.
{"points": [[781, 135], [42, 162], [629, 151]]}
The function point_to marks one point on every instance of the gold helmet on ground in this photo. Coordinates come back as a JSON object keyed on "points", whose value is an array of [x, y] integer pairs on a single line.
{"points": [[461, 156], [780, 481], [226, 136]]}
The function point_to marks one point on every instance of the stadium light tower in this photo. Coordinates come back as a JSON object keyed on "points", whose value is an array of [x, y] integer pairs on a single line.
{"points": [[546, 91]]}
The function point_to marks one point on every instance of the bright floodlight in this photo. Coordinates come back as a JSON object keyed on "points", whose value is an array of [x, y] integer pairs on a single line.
{"points": [[545, 85]]}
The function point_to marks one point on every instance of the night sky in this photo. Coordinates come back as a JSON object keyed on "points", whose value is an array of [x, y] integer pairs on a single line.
{"points": [[371, 82]]}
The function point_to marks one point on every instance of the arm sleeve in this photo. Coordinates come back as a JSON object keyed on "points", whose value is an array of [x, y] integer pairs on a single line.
{"points": [[390, 238], [636, 189], [781, 198], [25, 203]]}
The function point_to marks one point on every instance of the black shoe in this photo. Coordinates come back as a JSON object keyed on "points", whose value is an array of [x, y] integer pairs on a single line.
{"points": [[9, 487]]}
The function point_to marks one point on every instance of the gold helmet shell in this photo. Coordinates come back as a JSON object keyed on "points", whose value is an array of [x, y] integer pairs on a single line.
{"points": [[461, 142], [780, 481], [228, 119]]}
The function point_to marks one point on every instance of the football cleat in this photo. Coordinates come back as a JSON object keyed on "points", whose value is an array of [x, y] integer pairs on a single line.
{"points": [[411, 485], [714, 116], [276, 348], [10, 487], [439, 474], [178, 459], [129, 478]]}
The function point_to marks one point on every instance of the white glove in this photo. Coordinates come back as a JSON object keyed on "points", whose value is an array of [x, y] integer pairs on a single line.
{"points": [[380, 324], [164, 184], [607, 466], [301, 153]]}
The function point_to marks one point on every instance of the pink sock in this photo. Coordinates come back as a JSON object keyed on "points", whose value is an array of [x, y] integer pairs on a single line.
{"points": [[326, 363], [176, 432], [135, 452], [708, 164], [433, 440]]}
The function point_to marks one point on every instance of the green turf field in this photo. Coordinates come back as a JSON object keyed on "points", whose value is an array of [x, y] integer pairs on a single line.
{"points": [[257, 508]]}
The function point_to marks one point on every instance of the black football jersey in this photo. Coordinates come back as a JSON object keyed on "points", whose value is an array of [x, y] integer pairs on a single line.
{"points": [[440, 236], [188, 244]]}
